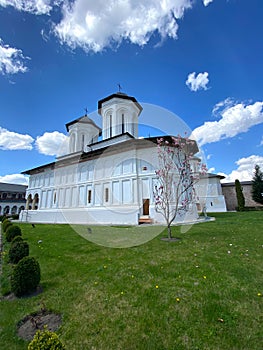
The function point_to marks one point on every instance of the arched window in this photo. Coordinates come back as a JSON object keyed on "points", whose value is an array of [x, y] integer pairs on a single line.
{"points": [[29, 202], [35, 202], [110, 129], [72, 143], [21, 208], [6, 210], [14, 210], [122, 123], [82, 142]]}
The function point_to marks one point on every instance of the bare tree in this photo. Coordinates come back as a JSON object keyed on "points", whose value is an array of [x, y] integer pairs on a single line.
{"points": [[174, 191]]}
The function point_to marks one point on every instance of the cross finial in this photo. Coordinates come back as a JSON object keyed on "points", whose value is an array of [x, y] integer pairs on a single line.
{"points": [[119, 86], [86, 111]]}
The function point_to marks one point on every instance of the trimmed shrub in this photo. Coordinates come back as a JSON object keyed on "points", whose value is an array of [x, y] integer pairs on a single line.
{"points": [[18, 251], [240, 196], [45, 340], [25, 277], [3, 218], [15, 216], [6, 224], [16, 239], [12, 231]]}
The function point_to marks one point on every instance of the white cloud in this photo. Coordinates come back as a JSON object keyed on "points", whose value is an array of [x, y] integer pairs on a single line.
{"points": [[234, 120], [11, 60], [95, 25], [245, 169], [211, 170], [197, 82], [10, 140], [207, 2], [221, 106], [52, 143], [37, 7], [14, 179]]}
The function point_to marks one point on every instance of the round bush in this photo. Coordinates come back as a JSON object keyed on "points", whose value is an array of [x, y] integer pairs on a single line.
{"points": [[46, 340], [3, 218], [12, 231], [16, 239], [25, 277], [6, 224], [18, 251]]}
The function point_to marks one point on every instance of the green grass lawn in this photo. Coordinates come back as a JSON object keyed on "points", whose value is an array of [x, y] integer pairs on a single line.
{"points": [[201, 292]]}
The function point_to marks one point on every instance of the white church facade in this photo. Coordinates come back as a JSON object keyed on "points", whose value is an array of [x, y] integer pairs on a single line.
{"points": [[108, 175]]}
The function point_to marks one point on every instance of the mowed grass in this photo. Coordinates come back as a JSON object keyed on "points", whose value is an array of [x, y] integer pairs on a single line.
{"points": [[201, 292]]}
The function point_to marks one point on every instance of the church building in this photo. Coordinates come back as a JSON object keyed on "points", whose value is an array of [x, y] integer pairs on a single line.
{"points": [[108, 174]]}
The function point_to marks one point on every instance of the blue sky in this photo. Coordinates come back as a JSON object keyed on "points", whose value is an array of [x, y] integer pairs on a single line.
{"points": [[200, 60]]}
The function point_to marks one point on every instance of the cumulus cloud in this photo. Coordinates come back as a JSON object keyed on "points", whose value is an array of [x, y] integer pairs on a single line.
{"points": [[207, 2], [37, 7], [10, 141], [94, 25], [197, 81], [245, 169], [52, 143], [14, 179], [234, 120], [12, 60]]}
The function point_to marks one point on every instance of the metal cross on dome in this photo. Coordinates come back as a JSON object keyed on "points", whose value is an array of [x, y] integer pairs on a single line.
{"points": [[119, 87]]}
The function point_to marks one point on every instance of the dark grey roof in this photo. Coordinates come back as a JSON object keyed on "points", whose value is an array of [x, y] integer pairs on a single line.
{"points": [[225, 184], [85, 120], [118, 95], [7, 187], [210, 175]]}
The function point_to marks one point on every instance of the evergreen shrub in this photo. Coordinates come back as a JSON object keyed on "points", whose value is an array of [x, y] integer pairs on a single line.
{"points": [[240, 196], [15, 216], [46, 340], [18, 251], [3, 218], [25, 277], [12, 231], [16, 239], [6, 224]]}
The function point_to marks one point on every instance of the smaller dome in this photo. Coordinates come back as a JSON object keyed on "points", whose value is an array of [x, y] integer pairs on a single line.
{"points": [[84, 120]]}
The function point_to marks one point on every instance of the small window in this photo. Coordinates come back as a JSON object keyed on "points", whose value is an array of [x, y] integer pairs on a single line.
{"points": [[89, 196], [110, 125], [106, 195], [82, 142], [122, 124]]}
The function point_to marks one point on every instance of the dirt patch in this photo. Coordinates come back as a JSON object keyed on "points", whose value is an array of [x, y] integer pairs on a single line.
{"points": [[30, 324], [11, 296], [173, 239]]}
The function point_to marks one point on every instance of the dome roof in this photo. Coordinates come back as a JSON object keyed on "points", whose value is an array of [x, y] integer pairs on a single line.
{"points": [[84, 120], [120, 95]]}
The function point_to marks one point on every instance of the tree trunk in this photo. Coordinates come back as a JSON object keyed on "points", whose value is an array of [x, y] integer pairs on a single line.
{"points": [[169, 232]]}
